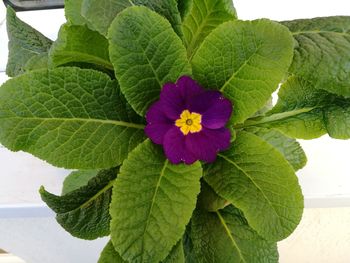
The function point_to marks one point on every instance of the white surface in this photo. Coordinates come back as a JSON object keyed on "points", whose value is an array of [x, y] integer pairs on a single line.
{"points": [[323, 236]]}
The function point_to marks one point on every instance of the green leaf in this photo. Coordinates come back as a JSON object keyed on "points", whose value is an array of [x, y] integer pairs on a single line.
{"points": [[184, 7], [209, 200], [110, 255], [24, 43], [288, 147], [80, 44], [256, 57], [146, 54], [202, 17], [72, 11], [305, 112], [256, 178], [152, 202], [101, 13], [322, 53], [70, 117], [77, 179], [226, 237], [84, 212], [36, 62]]}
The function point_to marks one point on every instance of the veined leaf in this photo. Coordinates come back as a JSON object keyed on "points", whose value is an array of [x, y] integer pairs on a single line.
{"points": [[204, 16], [322, 53], [146, 54], [110, 255], [24, 43], [184, 7], [152, 202], [209, 200], [70, 117], [77, 179], [226, 237], [288, 147], [305, 112], [80, 44], [101, 13], [256, 57], [36, 62], [84, 212], [256, 178], [72, 11]]}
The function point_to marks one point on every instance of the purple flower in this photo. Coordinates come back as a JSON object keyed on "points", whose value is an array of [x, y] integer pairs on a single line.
{"points": [[189, 122]]}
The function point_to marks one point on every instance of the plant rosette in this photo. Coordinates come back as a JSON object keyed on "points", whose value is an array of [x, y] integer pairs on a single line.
{"points": [[163, 109]]}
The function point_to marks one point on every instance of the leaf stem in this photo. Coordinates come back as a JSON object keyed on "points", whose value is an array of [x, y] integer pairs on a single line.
{"points": [[272, 118]]}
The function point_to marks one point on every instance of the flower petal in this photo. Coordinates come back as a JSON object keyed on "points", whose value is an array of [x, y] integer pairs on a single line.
{"points": [[173, 102], [215, 109], [156, 132], [175, 147], [189, 87], [206, 144], [155, 114]]}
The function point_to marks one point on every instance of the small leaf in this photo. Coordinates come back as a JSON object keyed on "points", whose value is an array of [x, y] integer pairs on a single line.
{"points": [[24, 43], [101, 13], [288, 147], [77, 179], [84, 212], [307, 113], [152, 202], [80, 44], [225, 237], [209, 200], [256, 178], [257, 56], [36, 62], [322, 53], [72, 118], [146, 54], [72, 11], [202, 17]]}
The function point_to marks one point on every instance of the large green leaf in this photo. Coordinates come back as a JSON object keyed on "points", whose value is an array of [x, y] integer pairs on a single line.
{"points": [[70, 117], [226, 237], [322, 53], [110, 255], [246, 60], [72, 11], [80, 44], [305, 112], [101, 13], [184, 7], [77, 179], [152, 202], [203, 17], [289, 147], [146, 54], [84, 212], [39, 61], [24, 43], [209, 200], [256, 178]]}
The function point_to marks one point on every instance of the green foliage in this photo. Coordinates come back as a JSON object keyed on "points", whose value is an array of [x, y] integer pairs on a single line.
{"points": [[209, 200], [70, 117], [256, 178], [101, 13], [72, 10], [152, 202], [77, 179], [226, 237], [247, 78], [201, 17], [146, 54], [305, 112], [289, 147], [322, 52], [80, 44], [84, 211], [25, 43]]}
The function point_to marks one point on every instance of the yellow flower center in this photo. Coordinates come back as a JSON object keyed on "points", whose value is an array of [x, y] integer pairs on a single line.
{"points": [[189, 122]]}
